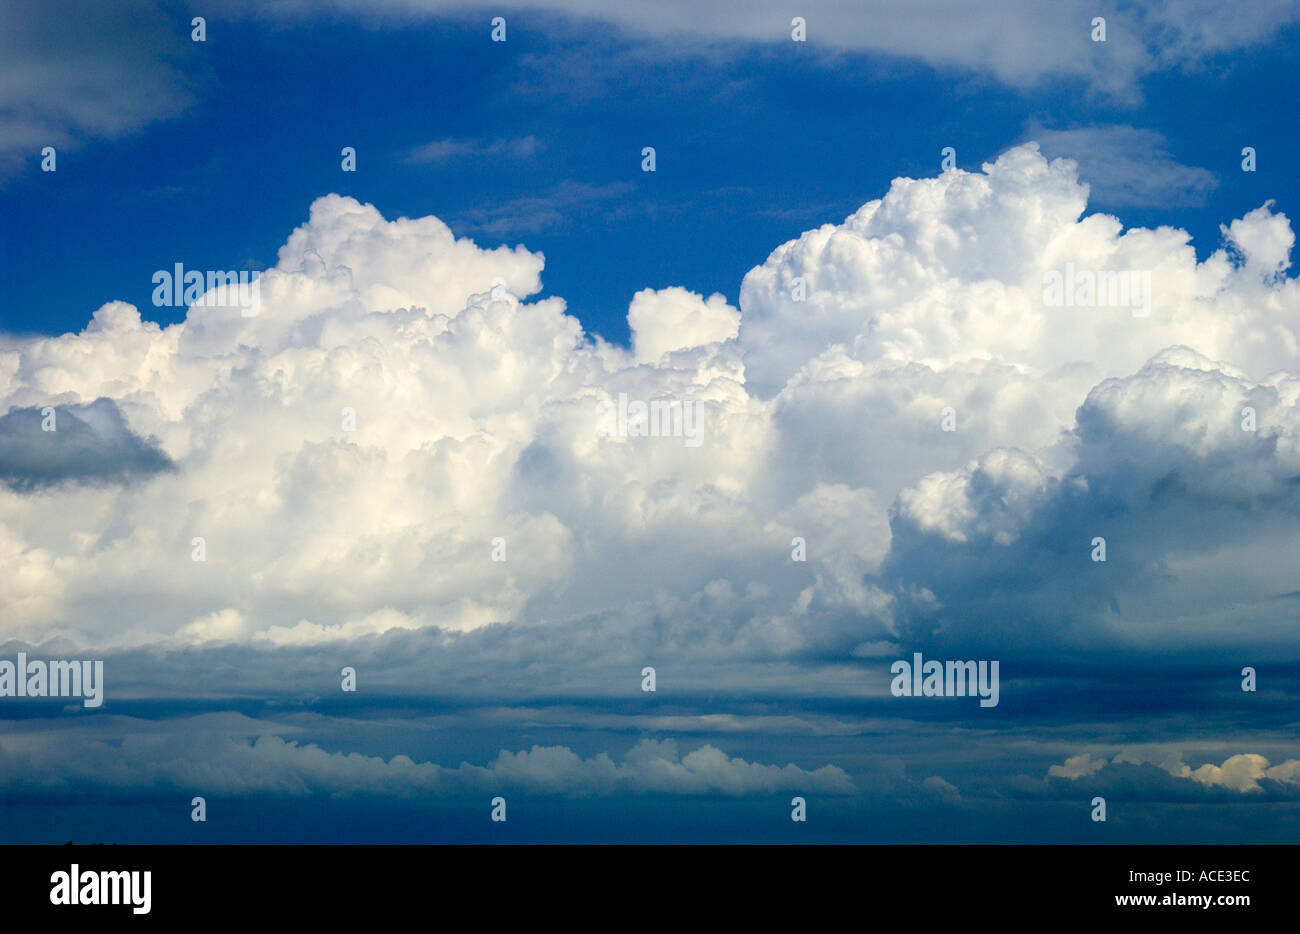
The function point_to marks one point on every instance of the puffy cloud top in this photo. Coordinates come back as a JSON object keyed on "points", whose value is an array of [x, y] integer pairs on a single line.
{"points": [[675, 319], [351, 453]]}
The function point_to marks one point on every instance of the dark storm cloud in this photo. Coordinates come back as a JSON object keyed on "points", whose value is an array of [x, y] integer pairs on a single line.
{"points": [[89, 444]]}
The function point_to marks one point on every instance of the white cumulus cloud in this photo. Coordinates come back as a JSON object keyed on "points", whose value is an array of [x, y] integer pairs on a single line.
{"points": [[351, 453]]}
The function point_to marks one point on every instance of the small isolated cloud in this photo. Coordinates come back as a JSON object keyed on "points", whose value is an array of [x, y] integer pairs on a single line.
{"points": [[942, 787], [1077, 767], [1125, 166], [556, 207], [87, 444], [449, 150]]}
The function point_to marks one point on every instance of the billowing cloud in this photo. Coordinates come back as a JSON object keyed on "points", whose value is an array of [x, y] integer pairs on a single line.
{"points": [[675, 319], [1187, 462], [1242, 772], [400, 449]]}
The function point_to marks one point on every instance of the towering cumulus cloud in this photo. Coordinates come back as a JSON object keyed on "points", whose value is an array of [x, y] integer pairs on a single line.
{"points": [[349, 454]]}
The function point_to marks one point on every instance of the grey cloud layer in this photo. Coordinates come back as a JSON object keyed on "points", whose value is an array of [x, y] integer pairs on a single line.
{"points": [[72, 72], [230, 755], [1019, 42]]}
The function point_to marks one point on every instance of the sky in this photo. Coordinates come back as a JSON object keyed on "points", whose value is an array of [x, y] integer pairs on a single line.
{"points": [[403, 457]]}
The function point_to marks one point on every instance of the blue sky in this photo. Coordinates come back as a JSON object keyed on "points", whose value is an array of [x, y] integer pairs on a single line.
{"points": [[369, 541], [756, 142]]}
